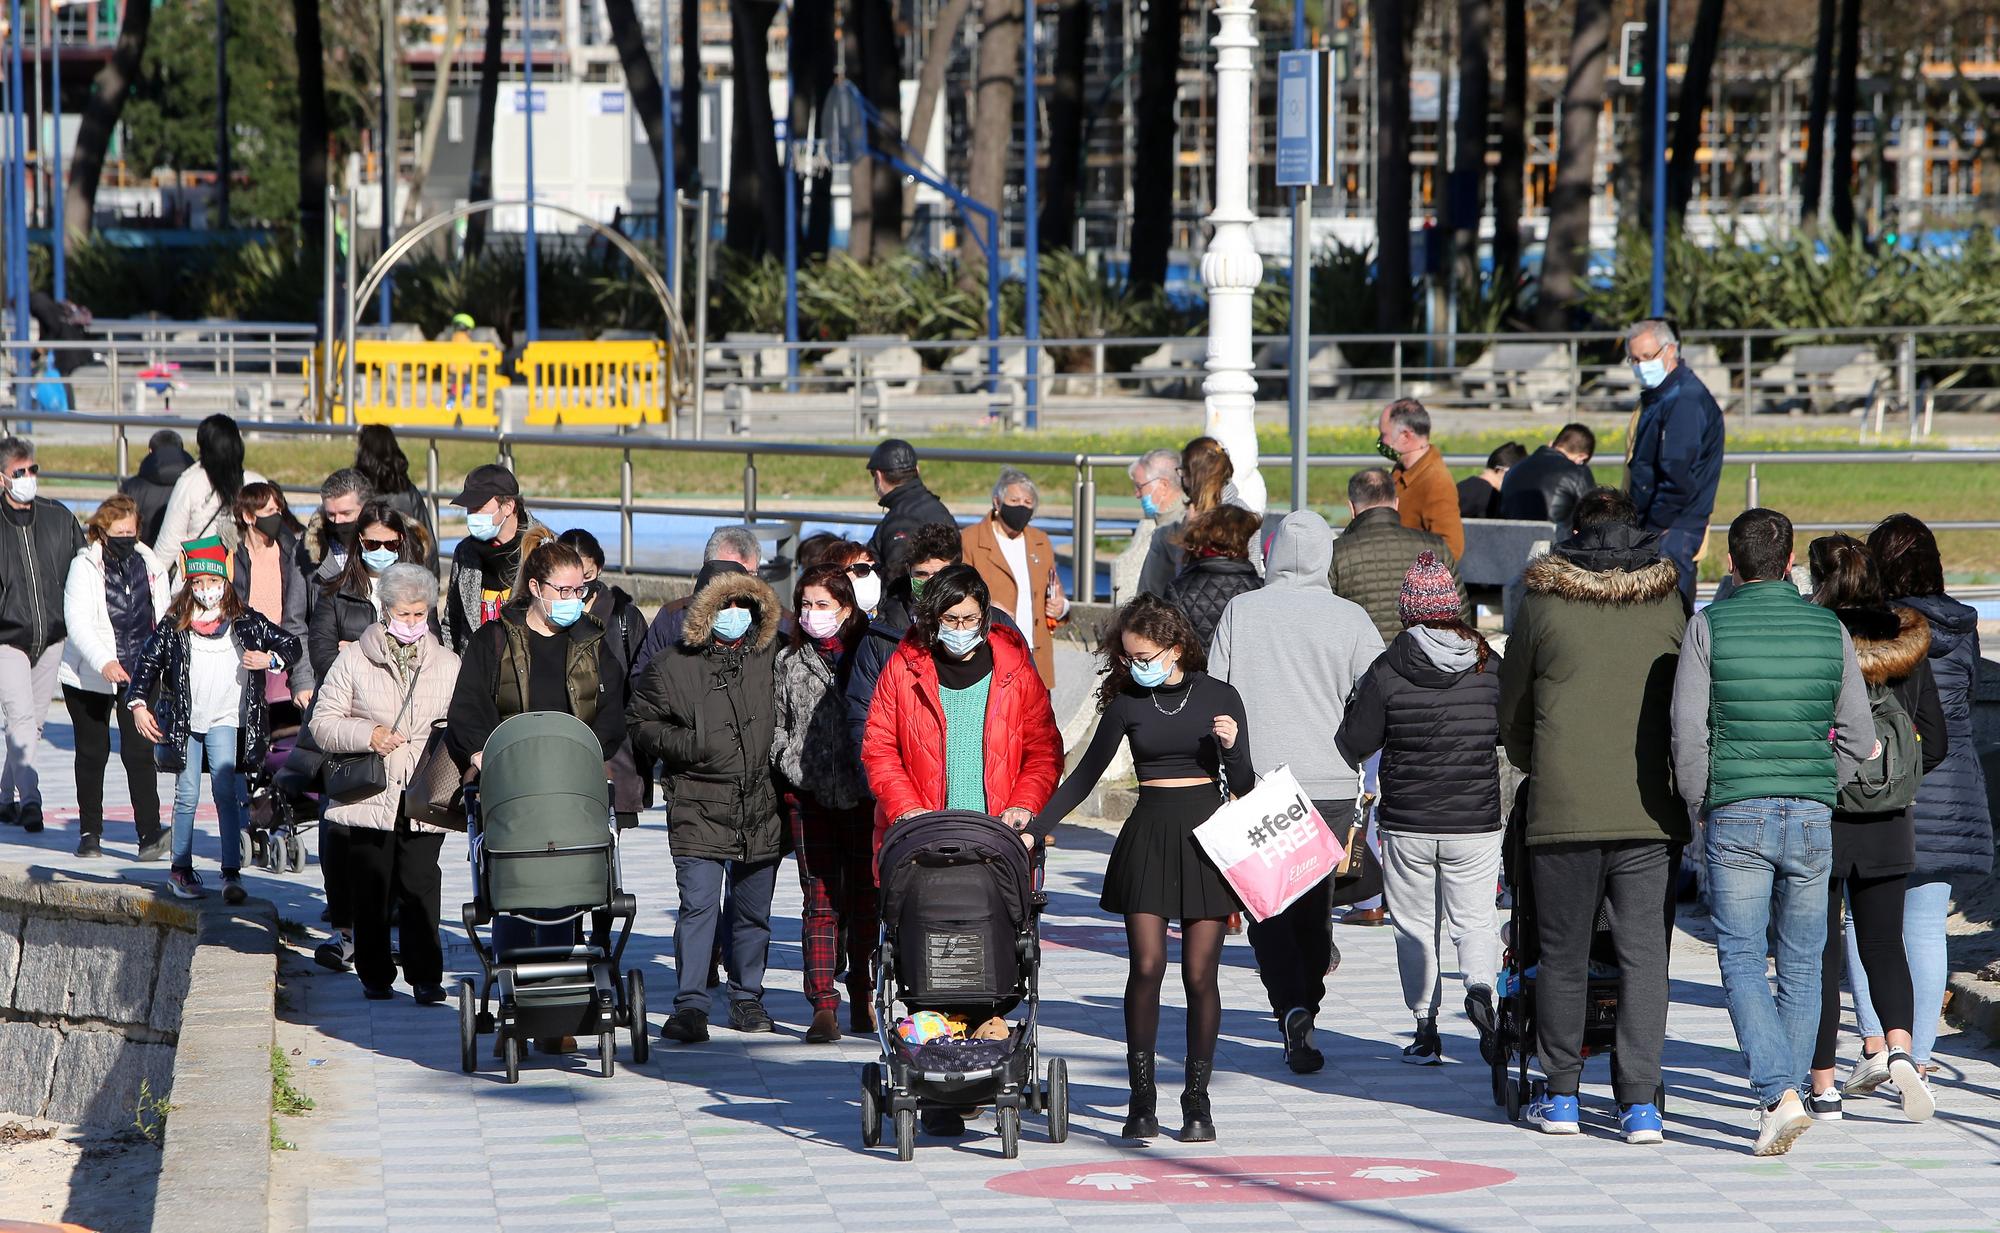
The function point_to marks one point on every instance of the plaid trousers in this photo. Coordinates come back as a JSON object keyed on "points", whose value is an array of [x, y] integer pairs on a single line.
{"points": [[836, 854]]}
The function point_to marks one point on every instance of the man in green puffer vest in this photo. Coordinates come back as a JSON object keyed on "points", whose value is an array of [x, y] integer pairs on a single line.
{"points": [[1770, 718]]}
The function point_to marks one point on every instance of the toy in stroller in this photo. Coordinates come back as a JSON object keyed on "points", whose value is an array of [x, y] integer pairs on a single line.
{"points": [[961, 897], [282, 803], [1511, 1049], [543, 848]]}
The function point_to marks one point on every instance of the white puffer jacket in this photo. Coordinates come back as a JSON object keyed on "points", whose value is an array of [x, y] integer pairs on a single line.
{"points": [[363, 690], [92, 642]]}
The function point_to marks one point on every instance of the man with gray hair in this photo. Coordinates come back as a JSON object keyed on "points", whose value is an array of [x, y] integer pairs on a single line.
{"points": [[1153, 558], [41, 538], [1674, 451], [1426, 499], [323, 551], [731, 549], [1018, 564]]}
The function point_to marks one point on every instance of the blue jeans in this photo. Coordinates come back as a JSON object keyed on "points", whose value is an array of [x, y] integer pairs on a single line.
{"points": [[700, 882], [224, 787], [1768, 861], [1679, 544], [1925, 906]]}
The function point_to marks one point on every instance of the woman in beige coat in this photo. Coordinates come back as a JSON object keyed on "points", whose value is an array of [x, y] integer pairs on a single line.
{"points": [[382, 696]]}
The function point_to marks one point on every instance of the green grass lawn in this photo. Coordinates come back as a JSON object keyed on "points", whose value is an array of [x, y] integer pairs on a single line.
{"points": [[1815, 492]]}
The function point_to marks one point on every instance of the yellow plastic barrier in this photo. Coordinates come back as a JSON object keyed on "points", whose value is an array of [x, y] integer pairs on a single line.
{"points": [[430, 384], [604, 382]]}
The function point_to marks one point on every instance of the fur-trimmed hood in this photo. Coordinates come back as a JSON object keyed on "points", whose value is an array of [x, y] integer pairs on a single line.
{"points": [[1564, 579], [1889, 643], [720, 590]]}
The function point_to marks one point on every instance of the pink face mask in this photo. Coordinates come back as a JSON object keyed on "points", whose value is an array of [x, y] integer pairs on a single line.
{"points": [[408, 632], [819, 623]]}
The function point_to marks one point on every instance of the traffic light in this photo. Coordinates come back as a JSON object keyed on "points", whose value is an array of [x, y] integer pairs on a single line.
{"points": [[1632, 53]]}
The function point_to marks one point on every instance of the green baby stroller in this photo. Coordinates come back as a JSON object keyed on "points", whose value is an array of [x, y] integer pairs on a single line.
{"points": [[544, 849]]}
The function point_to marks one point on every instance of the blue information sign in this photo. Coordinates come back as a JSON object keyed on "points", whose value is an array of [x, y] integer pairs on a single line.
{"points": [[1298, 118]]}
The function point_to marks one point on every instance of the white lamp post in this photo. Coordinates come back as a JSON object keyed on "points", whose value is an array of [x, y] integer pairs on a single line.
{"points": [[1231, 268]]}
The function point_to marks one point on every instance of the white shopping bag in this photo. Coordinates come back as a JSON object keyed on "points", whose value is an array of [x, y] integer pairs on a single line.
{"points": [[1271, 845]]}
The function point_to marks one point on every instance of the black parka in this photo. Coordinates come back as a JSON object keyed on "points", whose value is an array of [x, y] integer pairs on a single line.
{"points": [[1438, 730], [161, 679]]}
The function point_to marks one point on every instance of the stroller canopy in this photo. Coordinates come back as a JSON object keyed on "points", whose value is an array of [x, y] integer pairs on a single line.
{"points": [[542, 792], [956, 837]]}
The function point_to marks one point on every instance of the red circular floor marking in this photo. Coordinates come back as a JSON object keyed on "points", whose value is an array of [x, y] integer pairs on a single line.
{"points": [[1250, 1179]]}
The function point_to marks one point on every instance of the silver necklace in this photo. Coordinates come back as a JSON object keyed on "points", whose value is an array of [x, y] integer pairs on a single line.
{"points": [[1177, 710]]}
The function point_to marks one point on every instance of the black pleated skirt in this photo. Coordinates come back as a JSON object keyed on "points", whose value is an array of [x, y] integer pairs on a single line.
{"points": [[1156, 866]]}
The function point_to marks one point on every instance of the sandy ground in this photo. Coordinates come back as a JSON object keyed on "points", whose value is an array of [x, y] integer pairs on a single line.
{"points": [[64, 1175]]}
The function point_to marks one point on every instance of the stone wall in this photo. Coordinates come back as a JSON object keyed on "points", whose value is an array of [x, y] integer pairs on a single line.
{"points": [[93, 976]]}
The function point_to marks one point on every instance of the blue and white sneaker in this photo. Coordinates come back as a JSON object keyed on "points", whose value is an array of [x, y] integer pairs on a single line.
{"points": [[1642, 1123], [1557, 1115]]}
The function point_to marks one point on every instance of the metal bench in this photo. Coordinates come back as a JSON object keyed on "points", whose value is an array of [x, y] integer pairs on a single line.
{"points": [[1540, 376]]}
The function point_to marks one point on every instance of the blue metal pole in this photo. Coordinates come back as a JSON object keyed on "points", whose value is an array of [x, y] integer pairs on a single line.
{"points": [[670, 193], [534, 280], [1033, 237], [993, 301], [18, 186], [1660, 159], [791, 228], [55, 78]]}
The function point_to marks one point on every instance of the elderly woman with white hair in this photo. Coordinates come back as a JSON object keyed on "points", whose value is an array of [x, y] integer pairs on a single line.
{"points": [[376, 706], [1018, 564]]}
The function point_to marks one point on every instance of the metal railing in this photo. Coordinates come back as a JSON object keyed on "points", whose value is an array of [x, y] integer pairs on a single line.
{"points": [[1084, 525]]}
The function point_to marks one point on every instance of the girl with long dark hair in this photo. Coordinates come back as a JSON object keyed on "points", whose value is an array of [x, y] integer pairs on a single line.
{"points": [[205, 495], [381, 461]]}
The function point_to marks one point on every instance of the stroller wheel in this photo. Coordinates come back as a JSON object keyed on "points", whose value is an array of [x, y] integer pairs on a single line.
{"points": [[906, 1134], [295, 852], [510, 1058], [1499, 1068], [635, 1014], [246, 851], [607, 1050], [871, 1105], [1009, 1117], [468, 1027], [1513, 1099], [1055, 1100]]}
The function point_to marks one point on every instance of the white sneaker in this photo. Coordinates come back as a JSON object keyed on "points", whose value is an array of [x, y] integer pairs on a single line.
{"points": [[1869, 1073], [1779, 1126], [1912, 1090]]}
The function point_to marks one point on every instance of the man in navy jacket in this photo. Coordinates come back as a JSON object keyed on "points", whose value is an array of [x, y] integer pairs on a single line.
{"points": [[1676, 447]]}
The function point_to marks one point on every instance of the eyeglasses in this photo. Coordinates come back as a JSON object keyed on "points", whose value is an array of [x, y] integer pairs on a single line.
{"points": [[565, 592], [861, 569], [948, 621], [1146, 659], [394, 543], [31, 469]]}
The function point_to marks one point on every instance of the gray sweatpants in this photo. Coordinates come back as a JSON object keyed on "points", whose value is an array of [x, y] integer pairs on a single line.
{"points": [[1438, 882], [26, 689]]}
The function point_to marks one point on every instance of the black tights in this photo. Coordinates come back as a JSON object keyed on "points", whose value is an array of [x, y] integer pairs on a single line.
{"points": [[1201, 956], [1878, 935]]}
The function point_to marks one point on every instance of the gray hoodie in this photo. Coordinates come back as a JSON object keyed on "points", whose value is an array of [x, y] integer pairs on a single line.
{"points": [[1294, 650]]}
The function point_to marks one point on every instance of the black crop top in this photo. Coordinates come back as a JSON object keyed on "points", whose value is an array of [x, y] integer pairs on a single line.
{"points": [[1164, 746]]}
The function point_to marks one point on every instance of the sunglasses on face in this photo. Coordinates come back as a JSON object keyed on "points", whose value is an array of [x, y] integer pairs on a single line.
{"points": [[392, 542], [29, 469], [860, 569]]}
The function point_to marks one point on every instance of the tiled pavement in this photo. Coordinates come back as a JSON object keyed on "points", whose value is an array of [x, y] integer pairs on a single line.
{"points": [[762, 1133]]}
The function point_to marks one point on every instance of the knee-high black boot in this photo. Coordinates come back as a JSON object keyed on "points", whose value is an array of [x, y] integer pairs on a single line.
{"points": [[1196, 1124], [1142, 1120]]}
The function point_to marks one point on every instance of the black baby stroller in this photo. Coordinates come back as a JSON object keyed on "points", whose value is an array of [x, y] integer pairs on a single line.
{"points": [[284, 805], [543, 848], [1511, 1049], [961, 897]]}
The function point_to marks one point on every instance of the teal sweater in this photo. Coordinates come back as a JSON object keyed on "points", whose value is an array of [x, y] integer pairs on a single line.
{"points": [[965, 745]]}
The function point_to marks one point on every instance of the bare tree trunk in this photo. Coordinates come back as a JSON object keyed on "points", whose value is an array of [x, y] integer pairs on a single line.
{"points": [[930, 82], [810, 47], [881, 64], [312, 119], [1816, 110], [481, 185], [1576, 163], [1392, 165], [1468, 173], [756, 223], [687, 174], [999, 72], [1845, 91], [1153, 145], [1064, 179], [1510, 176], [427, 143], [100, 117], [644, 84], [1694, 104]]}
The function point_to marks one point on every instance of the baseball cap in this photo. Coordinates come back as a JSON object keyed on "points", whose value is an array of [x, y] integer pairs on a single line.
{"points": [[895, 454], [485, 483]]}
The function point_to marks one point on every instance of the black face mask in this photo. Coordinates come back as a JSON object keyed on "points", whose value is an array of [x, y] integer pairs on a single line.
{"points": [[268, 525], [345, 532], [118, 547], [1016, 517]]}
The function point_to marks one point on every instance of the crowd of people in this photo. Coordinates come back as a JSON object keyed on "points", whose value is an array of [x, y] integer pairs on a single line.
{"points": [[1813, 743]]}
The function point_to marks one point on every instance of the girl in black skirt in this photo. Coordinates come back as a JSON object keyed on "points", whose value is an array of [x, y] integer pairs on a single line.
{"points": [[1188, 733]]}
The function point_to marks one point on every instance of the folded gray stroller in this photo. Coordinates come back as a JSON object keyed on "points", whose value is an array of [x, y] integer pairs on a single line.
{"points": [[544, 848]]}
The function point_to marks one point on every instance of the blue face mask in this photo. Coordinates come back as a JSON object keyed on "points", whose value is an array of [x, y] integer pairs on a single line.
{"points": [[482, 526], [379, 559], [1149, 675], [1650, 372], [1147, 506], [732, 623], [960, 642], [563, 613]]}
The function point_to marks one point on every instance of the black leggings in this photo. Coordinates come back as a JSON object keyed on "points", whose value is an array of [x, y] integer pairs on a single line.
{"points": [[1201, 956], [90, 717], [1878, 934]]}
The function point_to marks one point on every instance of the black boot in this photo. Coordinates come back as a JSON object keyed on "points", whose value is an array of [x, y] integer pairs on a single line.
{"points": [[1142, 1121], [1196, 1125]]}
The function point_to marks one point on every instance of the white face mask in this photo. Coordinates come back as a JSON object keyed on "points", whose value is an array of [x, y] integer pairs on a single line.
{"points": [[22, 488], [867, 591], [208, 600]]}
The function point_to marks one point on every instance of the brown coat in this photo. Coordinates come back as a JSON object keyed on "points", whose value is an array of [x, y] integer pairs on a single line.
{"points": [[982, 552], [1428, 500], [363, 690]]}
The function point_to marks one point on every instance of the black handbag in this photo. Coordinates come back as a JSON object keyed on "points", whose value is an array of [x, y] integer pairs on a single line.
{"points": [[348, 778]]}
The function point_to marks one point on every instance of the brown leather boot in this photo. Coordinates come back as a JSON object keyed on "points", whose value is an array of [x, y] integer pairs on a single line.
{"points": [[824, 1030]]}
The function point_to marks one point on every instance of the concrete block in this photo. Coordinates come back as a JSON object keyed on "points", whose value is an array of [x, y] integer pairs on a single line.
{"points": [[98, 1076], [86, 969], [10, 955], [27, 1065], [170, 984]]}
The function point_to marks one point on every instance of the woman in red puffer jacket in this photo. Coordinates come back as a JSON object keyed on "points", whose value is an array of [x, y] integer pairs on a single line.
{"points": [[961, 719]]}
